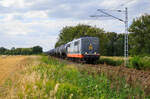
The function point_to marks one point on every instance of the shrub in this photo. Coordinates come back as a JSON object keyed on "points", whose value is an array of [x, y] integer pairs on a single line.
{"points": [[146, 62], [135, 62], [139, 62], [110, 61]]}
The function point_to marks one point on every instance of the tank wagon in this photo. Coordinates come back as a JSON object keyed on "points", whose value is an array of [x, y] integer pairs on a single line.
{"points": [[84, 48]]}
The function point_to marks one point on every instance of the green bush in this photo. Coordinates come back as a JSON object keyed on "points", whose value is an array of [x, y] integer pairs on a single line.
{"points": [[135, 62], [139, 62], [110, 61]]}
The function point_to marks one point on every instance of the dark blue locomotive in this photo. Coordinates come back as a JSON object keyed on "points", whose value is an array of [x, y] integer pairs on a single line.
{"points": [[84, 48]]}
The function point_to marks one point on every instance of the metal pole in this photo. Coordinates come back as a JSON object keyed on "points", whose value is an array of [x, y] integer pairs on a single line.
{"points": [[126, 62], [126, 38]]}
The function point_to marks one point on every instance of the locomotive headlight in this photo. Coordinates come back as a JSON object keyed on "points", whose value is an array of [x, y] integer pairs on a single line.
{"points": [[95, 53], [85, 52]]}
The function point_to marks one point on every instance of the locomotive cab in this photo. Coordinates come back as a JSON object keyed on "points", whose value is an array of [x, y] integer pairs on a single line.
{"points": [[90, 48], [86, 48]]}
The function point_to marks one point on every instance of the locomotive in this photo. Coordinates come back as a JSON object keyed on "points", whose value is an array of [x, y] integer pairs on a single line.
{"points": [[83, 48]]}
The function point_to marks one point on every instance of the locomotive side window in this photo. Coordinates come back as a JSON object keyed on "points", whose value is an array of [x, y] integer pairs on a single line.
{"points": [[76, 47], [76, 43], [68, 48], [68, 45]]}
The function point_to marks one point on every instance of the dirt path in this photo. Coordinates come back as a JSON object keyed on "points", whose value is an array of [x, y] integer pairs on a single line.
{"points": [[10, 64]]}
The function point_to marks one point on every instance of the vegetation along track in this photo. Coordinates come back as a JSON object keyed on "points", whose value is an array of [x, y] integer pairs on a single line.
{"points": [[132, 76]]}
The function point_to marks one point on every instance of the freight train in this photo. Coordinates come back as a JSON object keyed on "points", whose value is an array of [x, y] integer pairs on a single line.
{"points": [[84, 49]]}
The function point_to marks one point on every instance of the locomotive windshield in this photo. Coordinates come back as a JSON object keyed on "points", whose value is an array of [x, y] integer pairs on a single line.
{"points": [[90, 45]]}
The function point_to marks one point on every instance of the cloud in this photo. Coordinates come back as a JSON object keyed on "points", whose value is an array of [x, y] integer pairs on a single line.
{"points": [[15, 28], [36, 14], [110, 3], [26, 23]]}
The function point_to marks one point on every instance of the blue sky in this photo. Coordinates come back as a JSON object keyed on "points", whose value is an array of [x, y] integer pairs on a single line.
{"points": [[27, 23]]}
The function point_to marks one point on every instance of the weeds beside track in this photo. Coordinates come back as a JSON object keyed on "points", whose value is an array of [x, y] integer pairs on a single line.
{"points": [[58, 79]]}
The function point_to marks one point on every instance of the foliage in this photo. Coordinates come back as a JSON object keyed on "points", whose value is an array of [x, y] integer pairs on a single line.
{"points": [[69, 33], [139, 41], [109, 61], [37, 50], [135, 62], [55, 79], [67, 90], [139, 62], [21, 51], [61, 81]]}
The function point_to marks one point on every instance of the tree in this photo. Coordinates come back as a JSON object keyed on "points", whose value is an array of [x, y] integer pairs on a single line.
{"points": [[2, 50], [21, 51], [69, 33], [139, 41], [119, 45], [37, 50]]}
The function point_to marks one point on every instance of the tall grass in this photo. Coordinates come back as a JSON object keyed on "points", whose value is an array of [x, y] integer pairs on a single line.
{"points": [[58, 80], [62, 81], [137, 62], [110, 61], [140, 62]]}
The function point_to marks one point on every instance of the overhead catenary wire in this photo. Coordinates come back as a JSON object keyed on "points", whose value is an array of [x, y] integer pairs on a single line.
{"points": [[125, 3], [110, 15], [126, 30], [122, 4]]}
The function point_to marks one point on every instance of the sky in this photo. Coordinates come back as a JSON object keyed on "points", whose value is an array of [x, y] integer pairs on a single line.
{"points": [[27, 23]]}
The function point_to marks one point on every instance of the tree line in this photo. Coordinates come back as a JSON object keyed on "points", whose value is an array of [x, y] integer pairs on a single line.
{"points": [[111, 43], [21, 51]]}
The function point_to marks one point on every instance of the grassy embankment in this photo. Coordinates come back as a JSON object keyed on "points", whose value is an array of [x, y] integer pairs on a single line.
{"points": [[56, 79], [137, 62], [113, 61]]}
